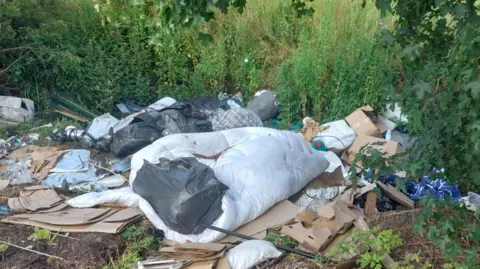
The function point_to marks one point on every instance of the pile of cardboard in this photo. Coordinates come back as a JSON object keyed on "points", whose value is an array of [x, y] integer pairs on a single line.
{"points": [[41, 200], [199, 255], [49, 211], [369, 127], [80, 220]]}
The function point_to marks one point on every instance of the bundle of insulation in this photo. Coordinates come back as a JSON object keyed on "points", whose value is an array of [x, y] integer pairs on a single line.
{"points": [[242, 172]]}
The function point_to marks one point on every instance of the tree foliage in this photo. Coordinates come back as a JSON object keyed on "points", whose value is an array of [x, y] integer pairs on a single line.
{"points": [[438, 88], [169, 15], [438, 84]]}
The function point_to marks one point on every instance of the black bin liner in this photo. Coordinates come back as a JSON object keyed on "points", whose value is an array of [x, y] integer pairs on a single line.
{"points": [[150, 126], [184, 193], [133, 137]]}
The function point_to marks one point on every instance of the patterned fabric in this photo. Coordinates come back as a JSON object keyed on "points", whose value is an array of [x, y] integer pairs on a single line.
{"points": [[234, 118], [432, 184]]}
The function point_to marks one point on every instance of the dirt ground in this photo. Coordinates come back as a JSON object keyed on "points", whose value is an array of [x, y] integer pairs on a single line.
{"points": [[95, 250], [401, 223], [87, 250]]}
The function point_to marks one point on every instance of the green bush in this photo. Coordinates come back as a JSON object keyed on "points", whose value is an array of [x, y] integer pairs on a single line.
{"points": [[68, 50], [336, 68], [106, 51]]}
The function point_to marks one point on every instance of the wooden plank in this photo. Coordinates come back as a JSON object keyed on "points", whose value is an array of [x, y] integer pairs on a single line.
{"points": [[371, 210], [396, 196]]}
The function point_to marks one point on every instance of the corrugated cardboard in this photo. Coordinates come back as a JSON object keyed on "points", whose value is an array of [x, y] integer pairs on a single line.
{"points": [[203, 265], [327, 179], [113, 221], [302, 236], [278, 214], [223, 263], [306, 217], [389, 147], [3, 184], [364, 121], [201, 246], [34, 200]]}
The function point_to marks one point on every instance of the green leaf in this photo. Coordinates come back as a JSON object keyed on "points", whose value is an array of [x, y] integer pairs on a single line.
{"points": [[3, 247], [223, 5], [474, 87], [240, 5], [384, 7], [400, 185], [460, 10], [476, 179], [386, 38], [205, 37], [463, 101], [421, 88]]}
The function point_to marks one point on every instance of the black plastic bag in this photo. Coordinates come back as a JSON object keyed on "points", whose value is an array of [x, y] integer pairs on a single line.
{"points": [[184, 193], [265, 105], [134, 137], [182, 117], [203, 103]]}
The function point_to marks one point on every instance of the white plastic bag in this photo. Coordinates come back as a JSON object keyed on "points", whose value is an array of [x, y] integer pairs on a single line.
{"points": [[338, 136], [251, 253]]}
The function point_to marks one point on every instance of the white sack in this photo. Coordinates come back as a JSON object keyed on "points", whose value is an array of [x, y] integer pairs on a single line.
{"points": [[338, 136], [261, 167], [16, 110], [251, 253], [124, 196]]}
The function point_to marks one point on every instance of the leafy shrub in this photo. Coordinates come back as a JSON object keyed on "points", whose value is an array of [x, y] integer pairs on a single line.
{"points": [[65, 48], [333, 71], [109, 51]]}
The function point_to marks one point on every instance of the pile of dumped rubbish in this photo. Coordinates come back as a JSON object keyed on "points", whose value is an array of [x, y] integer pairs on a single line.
{"points": [[208, 174]]}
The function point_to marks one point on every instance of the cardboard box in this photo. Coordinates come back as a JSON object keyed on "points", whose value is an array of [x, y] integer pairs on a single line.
{"points": [[364, 121], [389, 147]]}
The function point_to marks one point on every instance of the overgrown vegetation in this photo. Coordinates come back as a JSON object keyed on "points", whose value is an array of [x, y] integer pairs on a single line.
{"points": [[281, 240], [45, 235], [437, 87], [323, 65], [116, 50], [140, 243], [371, 246]]}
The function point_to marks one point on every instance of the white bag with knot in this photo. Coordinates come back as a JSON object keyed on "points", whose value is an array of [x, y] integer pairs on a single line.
{"points": [[251, 253]]}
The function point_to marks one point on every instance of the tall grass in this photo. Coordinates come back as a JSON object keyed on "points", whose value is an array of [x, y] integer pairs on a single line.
{"points": [[321, 66]]}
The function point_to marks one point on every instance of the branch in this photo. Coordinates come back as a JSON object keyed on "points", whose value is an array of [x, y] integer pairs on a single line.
{"points": [[17, 48], [31, 250], [8, 67]]}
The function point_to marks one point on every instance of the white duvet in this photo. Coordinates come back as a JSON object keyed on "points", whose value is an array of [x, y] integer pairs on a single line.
{"points": [[261, 166]]}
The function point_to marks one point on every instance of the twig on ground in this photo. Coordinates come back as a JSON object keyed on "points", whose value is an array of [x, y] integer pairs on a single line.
{"points": [[108, 170], [31, 250], [417, 243]]}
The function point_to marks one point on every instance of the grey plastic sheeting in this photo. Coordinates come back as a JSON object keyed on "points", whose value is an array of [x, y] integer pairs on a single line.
{"points": [[56, 179], [73, 160], [101, 125], [264, 104]]}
